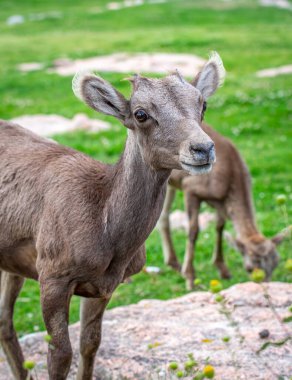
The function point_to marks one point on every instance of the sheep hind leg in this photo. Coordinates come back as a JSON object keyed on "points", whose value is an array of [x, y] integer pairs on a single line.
{"points": [[91, 314], [218, 257], [55, 300], [10, 288], [192, 204]]}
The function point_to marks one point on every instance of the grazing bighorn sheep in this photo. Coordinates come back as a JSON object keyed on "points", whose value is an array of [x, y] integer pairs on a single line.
{"points": [[78, 226], [227, 188]]}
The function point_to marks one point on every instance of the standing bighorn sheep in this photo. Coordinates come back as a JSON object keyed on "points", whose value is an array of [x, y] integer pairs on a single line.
{"points": [[78, 226], [228, 189]]}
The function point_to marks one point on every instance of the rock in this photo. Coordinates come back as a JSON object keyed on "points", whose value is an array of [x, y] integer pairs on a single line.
{"points": [[116, 6], [179, 220], [30, 66], [283, 4], [264, 334], [15, 20], [273, 72], [177, 327]]}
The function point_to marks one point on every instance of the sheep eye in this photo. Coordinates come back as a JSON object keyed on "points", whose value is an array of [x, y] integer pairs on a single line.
{"points": [[204, 106], [203, 110], [141, 116]]}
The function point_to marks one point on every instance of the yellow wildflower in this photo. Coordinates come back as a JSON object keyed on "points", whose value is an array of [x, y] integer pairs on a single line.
{"points": [[209, 372]]}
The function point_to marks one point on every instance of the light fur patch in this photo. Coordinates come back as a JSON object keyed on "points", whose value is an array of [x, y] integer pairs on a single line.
{"points": [[77, 83], [256, 239], [216, 59]]}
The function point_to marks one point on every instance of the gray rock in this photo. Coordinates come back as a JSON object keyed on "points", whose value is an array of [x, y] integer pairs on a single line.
{"points": [[189, 324]]}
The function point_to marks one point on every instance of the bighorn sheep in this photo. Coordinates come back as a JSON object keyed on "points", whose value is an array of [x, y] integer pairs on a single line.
{"points": [[78, 226], [228, 189]]}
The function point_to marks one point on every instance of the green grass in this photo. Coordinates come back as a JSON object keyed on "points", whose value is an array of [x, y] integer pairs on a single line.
{"points": [[253, 112]]}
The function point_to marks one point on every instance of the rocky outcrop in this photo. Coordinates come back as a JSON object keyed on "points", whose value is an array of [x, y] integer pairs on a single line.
{"points": [[140, 340]]}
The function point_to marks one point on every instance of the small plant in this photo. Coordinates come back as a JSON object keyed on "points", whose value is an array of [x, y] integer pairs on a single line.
{"points": [[153, 345], [189, 365], [281, 200], [288, 265], [173, 366], [29, 365], [258, 275], [197, 281], [219, 298], [215, 286], [199, 376], [209, 371], [47, 338], [192, 369], [207, 340]]}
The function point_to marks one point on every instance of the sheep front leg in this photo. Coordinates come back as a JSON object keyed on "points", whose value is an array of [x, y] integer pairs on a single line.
{"points": [[91, 314], [218, 257], [10, 288], [55, 301], [193, 207]]}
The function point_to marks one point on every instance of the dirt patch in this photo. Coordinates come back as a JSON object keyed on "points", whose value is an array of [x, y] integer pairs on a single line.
{"points": [[160, 63], [48, 125], [273, 72], [113, 6], [116, 6], [284, 4]]}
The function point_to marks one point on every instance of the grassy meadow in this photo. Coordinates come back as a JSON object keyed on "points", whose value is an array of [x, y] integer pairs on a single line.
{"points": [[254, 112]]}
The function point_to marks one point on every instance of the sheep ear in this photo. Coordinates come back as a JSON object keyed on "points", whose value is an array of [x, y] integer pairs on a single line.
{"points": [[211, 76], [286, 233], [100, 95]]}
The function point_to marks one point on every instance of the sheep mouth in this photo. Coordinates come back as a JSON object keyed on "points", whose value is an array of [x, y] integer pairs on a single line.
{"points": [[196, 169]]}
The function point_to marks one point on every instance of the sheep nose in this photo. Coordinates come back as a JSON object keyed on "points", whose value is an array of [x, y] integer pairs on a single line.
{"points": [[203, 153]]}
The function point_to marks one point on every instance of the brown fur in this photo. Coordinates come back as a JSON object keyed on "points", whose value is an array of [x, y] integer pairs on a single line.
{"points": [[227, 188], [78, 226]]}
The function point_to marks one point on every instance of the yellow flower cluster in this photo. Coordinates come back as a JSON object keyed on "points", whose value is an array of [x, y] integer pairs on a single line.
{"points": [[215, 286], [209, 371]]}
